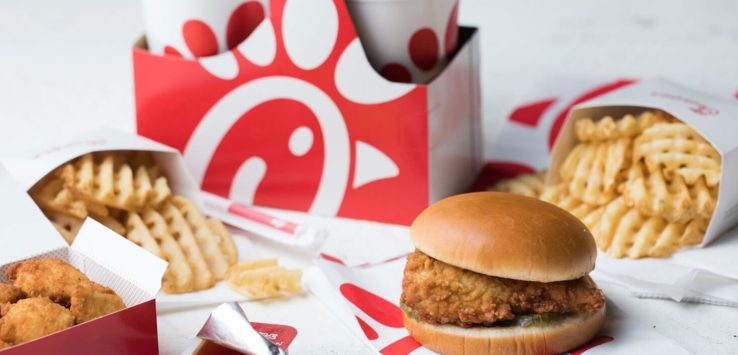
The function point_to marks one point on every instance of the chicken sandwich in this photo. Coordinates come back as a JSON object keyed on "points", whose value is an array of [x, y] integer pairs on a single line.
{"points": [[500, 273]]}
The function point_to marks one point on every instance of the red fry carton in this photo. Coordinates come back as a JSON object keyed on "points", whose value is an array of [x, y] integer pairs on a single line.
{"points": [[714, 118], [105, 258], [295, 117]]}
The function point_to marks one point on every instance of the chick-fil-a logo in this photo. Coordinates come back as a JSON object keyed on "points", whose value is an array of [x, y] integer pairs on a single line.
{"points": [[696, 106]]}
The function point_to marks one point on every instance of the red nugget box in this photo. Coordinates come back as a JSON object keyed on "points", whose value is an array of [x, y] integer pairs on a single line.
{"points": [[102, 256], [295, 117]]}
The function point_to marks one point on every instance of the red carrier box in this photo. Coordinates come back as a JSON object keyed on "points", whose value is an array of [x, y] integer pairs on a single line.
{"points": [[295, 117], [104, 257]]}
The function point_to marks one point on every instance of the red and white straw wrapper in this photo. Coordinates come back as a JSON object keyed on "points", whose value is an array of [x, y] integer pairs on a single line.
{"points": [[264, 225]]}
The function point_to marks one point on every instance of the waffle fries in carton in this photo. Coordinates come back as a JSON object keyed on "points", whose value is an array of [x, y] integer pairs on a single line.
{"points": [[102, 256], [649, 168], [138, 188]]}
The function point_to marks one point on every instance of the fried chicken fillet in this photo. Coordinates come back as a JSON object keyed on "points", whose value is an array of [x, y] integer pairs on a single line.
{"points": [[46, 277], [33, 318], [10, 294], [91, 300], [440, 293]]}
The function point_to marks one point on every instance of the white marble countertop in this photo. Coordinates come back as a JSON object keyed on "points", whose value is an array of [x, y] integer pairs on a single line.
{"points": [[66, 66]]}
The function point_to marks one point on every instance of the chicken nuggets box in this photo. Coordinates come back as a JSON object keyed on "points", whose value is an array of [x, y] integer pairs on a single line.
{"points": [[103, 257], [295, 117], [684, 172]]}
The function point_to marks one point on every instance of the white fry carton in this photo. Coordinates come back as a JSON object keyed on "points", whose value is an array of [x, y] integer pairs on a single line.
{"points": [[31, 166], [715, 118]]}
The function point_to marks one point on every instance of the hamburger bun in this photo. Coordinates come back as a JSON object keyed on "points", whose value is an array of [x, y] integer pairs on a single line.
{"points": [[556, 338], [506, 235]]}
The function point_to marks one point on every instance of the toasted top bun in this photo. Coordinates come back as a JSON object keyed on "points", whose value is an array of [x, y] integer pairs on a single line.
{"points": [[506, 235], [555, 338]]}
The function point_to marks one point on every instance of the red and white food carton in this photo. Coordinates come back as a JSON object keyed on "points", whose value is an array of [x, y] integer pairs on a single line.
{"points": [[31, 166], [295, 117], [407, 41], [104, 257], [715, 118]]}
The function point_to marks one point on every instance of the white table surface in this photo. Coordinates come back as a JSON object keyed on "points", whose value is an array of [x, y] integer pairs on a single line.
{"points": [[66, 66]]}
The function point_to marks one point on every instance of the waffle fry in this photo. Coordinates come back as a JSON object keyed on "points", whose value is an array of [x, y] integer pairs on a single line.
{"points": [[67, 225], [126, 191], [51, 194], [262, 279], [589, 130], [677, 149], [651, 204], [151, 232], [672, 200], [206, 239], [559, 196], [97, 178], [225, 241], [140, 234], [181, 232], [523, 184], [111, 223], [625, 231], [594, 170]]}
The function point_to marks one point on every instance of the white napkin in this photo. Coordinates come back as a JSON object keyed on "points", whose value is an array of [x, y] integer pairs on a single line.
{"points": [[706, 275]]}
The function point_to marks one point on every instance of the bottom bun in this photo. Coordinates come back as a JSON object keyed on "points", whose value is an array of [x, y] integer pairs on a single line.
{"points": [[556, 338]]}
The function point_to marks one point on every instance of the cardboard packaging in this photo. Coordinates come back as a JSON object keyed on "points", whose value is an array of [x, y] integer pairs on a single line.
{"points": [[296, 118], [100, 254], [409, 40], [712, 117], [31, 166]]}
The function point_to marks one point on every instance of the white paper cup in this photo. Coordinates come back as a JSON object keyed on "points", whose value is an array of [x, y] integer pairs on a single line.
{"points": [[200, 28], [407, 40]]}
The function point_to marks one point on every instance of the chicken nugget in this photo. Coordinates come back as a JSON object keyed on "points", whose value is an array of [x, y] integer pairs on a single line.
{"points": [[33, 318], [47, 277], [91, 300], [4, 345], [10, 294]]}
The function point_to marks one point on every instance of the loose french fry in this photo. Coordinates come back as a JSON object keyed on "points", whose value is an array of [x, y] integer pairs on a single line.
{"points": [[264, 279], [523, 184]]}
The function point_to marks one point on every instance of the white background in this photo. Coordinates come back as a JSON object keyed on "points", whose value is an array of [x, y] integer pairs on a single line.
{"points": [[66, 65]]}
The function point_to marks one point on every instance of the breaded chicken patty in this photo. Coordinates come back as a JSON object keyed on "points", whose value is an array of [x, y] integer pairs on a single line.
{"points": [[440, 293]]}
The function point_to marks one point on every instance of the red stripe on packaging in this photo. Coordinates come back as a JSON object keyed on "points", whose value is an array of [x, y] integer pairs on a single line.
{"points": [[378, 308], [591, 94]]}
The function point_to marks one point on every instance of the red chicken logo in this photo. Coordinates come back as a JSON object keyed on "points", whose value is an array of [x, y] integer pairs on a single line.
{"points": [[293, 117]]}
